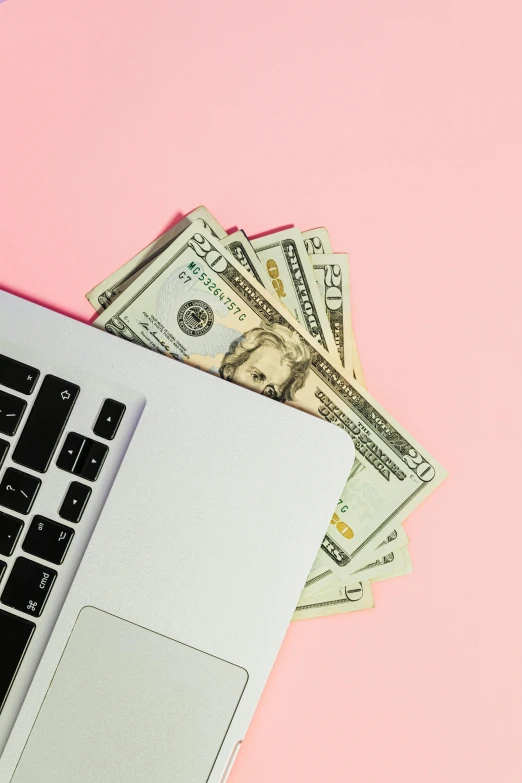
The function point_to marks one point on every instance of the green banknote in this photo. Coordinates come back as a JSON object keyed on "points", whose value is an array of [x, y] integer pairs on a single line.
{"points": [[317, 243], [283, 255], [385, 563], [109, 289], [335, 600], [196, 303], [332, 275], [241, 248]]}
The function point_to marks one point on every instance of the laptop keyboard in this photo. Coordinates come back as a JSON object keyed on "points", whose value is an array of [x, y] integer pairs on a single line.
{"points": [[35, 408]]}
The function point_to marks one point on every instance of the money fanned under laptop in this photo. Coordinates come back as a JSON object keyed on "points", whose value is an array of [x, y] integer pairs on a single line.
{"points": [[273, 314]]}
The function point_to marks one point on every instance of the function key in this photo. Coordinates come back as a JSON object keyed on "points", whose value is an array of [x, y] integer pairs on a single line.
{"points": [[10, 528], [109, 419], [48, 540], [4, 448], [15, 633], [28, 586], [45, 423], [18, 490], [11, 411], [75, 501], [17, 376]]}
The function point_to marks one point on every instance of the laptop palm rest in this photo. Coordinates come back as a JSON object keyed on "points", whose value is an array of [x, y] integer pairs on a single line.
{"points": [[127, 704]]}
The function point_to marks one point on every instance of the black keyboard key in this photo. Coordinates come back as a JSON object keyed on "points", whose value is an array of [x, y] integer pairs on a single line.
{"points": [[10, 529], [109, 419], [82, 456], [75, 501], [4, 448], [3, 566], [45, 423], [17, 376], [90, 468], [11, 411], [48, 540], [28, 586], [71, 451], [15, 633], [18, 490]]}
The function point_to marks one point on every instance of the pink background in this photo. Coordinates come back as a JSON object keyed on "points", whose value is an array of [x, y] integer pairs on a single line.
{"points": [[398, 125]]}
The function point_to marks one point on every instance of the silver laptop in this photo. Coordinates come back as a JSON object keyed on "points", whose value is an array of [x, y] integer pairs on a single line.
{"points": [[156, 528]]}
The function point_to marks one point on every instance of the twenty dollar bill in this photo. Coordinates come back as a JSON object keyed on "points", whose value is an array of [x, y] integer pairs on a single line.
{"points": [[109, 289], [332, 276], [284, 257], [317, 243]]}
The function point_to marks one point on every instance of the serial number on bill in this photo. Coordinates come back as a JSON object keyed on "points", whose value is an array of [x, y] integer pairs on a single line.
{"points": [[211, 287]]}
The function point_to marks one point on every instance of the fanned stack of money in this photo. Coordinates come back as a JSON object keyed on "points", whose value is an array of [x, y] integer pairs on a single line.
{"points": [[273, 314]]}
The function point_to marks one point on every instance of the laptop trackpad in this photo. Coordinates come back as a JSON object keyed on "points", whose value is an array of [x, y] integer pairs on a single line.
{"points": [[127, 704]]}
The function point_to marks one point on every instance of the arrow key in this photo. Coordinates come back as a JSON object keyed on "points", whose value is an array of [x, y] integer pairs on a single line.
{"points": [[91, 465], [75, 502], [109, 419], [82, 456], [73, 451]]}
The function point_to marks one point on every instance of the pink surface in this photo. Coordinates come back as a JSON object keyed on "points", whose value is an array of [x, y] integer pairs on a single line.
{"points": [[397, 125]]}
